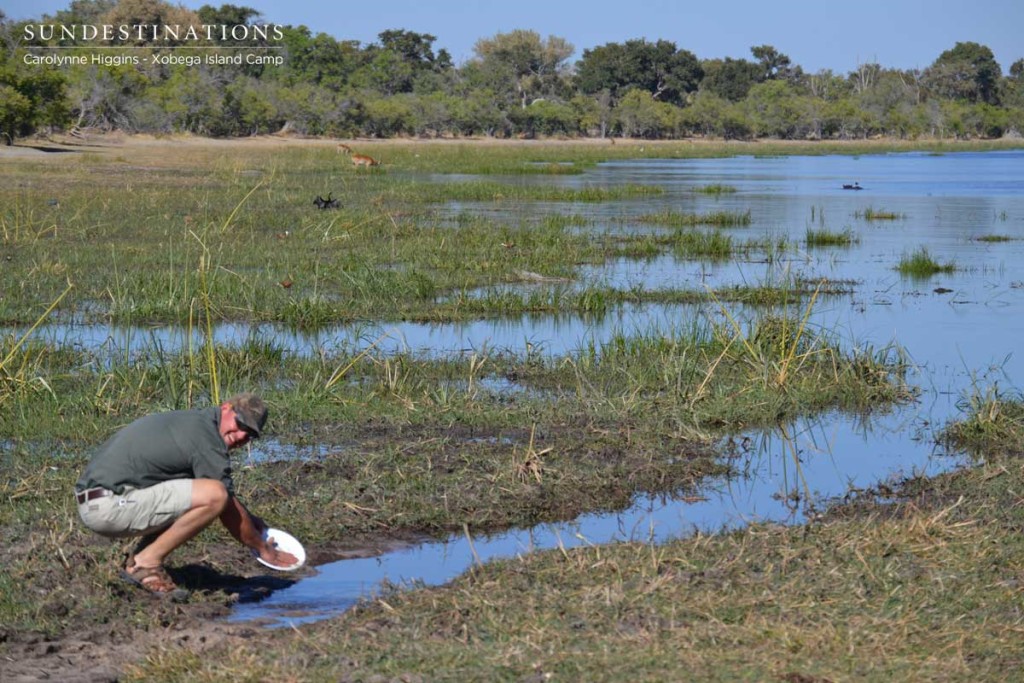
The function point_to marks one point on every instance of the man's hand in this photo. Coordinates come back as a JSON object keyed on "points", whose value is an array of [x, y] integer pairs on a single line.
{"points": [[278, 558]]}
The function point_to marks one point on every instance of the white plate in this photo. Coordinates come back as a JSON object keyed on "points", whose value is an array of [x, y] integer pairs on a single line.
{"points": [[282, 540]]}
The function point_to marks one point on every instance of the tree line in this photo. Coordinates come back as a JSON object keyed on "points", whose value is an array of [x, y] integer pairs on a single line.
{"points": [[516, 84]]}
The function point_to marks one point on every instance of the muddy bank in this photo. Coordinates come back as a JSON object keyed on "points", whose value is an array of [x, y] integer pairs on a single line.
{"points": [[123, 622]]}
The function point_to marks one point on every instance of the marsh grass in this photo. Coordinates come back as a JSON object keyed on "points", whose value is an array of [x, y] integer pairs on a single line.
{"points": [[715, 189], [993, 423], [725, 219], [871, 214], [20, 362], [711, 245], [384, 251], [830, 238], [497, 192], [920, 264], [716, 245]]}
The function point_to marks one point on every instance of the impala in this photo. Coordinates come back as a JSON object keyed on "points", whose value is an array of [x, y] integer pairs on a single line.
{"points": [[363, 160]]}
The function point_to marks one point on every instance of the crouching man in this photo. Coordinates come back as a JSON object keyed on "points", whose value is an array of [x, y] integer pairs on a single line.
{"points": [[166, 477]]}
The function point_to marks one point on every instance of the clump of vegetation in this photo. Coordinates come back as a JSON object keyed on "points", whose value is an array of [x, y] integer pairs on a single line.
{"points": [[994, 424], [870, 214], [677, 219], [713, 245], [993, 238], [920, 264], [715, 189], [830, 238]]}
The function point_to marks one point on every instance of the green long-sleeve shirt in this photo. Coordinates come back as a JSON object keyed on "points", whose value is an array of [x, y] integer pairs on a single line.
{"points": [[181, 444]]}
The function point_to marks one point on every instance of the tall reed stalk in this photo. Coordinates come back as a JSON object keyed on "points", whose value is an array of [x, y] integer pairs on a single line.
{"points": [[19, 378]]}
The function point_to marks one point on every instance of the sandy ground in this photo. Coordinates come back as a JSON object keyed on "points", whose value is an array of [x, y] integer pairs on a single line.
{"points": [[56, 145]]}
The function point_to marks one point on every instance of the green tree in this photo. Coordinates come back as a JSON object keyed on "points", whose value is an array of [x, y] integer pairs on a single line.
{"points": [[103, 96], [385, 73], [777, 111], [191, 99], [416, 49], [82, 12], [148, 12], [235, 15], [532, 66], [33, 96], [968, 72], [845, 120], [705, 113], [230, 15], [891, 96], [478, 112], [308, 109], [729, 78], [257, 111], [544, 117], [1013, 86], [666, 73], [430, 114], [827, 86], [592, 113], [774, 65], [388, 116], [400, 60], [321, 60], [639, 115], [15, 111]]}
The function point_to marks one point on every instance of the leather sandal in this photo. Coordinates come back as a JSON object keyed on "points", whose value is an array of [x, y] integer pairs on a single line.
{"points": [[153, 580]]}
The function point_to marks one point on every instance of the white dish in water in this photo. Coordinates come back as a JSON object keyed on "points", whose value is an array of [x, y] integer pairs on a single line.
{"points": [[285, 542]]}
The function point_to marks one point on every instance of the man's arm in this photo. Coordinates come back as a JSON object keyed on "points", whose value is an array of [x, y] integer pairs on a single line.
{"points": [[248, 529]]}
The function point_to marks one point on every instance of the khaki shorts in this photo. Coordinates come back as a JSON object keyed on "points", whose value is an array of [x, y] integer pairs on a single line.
{"points": [[138, 512]]}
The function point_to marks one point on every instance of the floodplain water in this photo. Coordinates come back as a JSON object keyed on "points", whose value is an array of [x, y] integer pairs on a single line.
{"points": [[960, 330]]}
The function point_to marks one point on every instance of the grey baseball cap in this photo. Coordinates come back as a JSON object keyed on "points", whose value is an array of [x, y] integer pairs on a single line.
{"points": [[250, 413]]}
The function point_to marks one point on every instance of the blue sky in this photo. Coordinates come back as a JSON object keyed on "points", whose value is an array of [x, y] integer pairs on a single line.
{"points": [[816, 34]]}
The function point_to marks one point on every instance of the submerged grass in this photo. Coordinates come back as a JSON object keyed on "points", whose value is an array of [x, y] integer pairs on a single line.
{"points": [[871, 214], [723, 219], [993, 424], [830, 238], [495, 192], [920, 264], [715, 189]]}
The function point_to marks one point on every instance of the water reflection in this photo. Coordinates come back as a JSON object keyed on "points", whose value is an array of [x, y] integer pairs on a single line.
{"points": [[555, 335]]}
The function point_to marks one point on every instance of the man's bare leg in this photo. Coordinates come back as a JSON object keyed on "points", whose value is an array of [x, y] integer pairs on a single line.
{"points": [[208, 500]]}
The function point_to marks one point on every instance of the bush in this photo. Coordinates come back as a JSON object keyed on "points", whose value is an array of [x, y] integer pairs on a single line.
{"points": [[387, 117], [544, 117]]}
